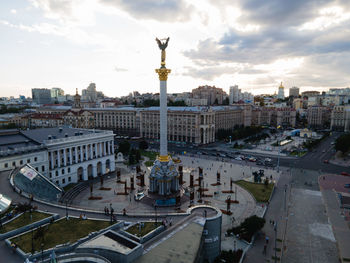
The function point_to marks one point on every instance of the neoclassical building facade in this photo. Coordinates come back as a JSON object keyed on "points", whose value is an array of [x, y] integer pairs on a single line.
{"points": [[63, 155]]}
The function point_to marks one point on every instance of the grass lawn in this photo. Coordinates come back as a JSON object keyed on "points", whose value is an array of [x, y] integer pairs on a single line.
{"points": [[148, 227], [60, 232], [260, 192], [23, 220]]}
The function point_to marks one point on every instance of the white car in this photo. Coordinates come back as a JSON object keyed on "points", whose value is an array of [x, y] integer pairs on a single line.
{"points": [[139, 196], [238, 158]]}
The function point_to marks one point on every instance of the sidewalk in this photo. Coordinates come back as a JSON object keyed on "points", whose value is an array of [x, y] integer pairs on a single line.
{"points": [[277, 212]]}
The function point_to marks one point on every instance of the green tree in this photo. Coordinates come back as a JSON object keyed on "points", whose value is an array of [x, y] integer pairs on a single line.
{"points": [[343, 143], [143, 145], [131, 159], [124, 147]]}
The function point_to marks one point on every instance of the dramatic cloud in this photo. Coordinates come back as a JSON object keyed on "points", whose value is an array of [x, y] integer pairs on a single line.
{"points": [[170, 10], [315, 30]]}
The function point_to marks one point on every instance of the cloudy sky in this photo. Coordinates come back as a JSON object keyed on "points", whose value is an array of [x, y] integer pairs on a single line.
{"points": [[253, 43]]}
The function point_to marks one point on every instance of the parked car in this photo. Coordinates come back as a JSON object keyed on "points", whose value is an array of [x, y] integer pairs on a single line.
{"points": [[138, 196], [252, 159], [326, 161], [345, 174], [238, 158], [347, 185]]}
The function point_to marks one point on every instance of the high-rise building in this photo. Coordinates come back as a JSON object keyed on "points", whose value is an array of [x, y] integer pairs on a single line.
{"points": [[294, 91], [41, 96], [90, 93], [280, 94], [234, 94]]}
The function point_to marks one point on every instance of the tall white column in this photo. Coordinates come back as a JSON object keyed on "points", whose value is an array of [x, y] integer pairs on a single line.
{"points": [[51, 160], [112, 147], [86, 152], [64, 157], [100, 149], [96, 153], [76, 154], [58, 159], [81, 153], [70, 156], [163, 119], [91, 156]]}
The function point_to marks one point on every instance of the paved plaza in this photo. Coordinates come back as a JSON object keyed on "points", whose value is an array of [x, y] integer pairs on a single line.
{"points": [[247, 205]]}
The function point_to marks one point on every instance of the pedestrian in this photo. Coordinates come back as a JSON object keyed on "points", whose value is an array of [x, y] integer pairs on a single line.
{"points": [[264, 251], [267, 239]]}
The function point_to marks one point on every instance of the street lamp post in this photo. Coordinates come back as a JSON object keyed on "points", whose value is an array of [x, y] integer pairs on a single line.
{"points": [[42, 252], [278, 157]]}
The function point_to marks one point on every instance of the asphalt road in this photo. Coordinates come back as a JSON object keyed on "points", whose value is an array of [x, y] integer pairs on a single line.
{"points": [[313, 160]]}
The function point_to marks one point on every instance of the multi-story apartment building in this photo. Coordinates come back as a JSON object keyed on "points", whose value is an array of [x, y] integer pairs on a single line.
{"points": [[124, 121], [41, 96], [185, 124], [228, 117], [318, 117], [44, 120], [340, 118], [294, 92], [284, 117], [211, 93], [63, 155]]}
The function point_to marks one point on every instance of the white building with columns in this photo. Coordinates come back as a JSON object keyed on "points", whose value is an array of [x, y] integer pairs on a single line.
{"points": [[69, 155]]}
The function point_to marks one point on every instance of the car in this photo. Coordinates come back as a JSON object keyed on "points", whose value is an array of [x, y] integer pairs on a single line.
{"points": [[138, 196], [347, 185], [238, 158], [345, 173], [326, 161], [323, 151], [252, 159]]}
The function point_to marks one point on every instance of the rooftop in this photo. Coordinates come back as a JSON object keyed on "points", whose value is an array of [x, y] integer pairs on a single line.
{"points": [[183, 245]]}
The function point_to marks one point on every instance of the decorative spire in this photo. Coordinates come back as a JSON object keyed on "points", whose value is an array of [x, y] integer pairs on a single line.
{"points": [[76, 92]]}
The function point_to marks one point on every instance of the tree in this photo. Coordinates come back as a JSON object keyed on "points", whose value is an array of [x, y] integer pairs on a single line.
{"points": [[143, 145], [131, 159], [137, 155], [343, 143], [226, 101], [124, 147], [216, 102]]}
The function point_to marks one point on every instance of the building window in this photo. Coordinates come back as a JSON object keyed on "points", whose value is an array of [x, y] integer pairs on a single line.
{"points": [[35, 159], [6, 165], [56, 173], [69, 179], [62, 171], [13, 163], [36, 168], [50, 175], [63, 181], [68, 170], [43, 168], [21, 162], [57, 183], [28, 160]]}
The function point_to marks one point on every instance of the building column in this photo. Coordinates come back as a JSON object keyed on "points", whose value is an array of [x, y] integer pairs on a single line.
{"points": [[65, 157], [100, 149], [86, 152], [113, 147], [81, 153], [85, 175], [91, 155], [76, 154], [70, 156], [96, 153], [94, 170], [58, 159], [51, 160]]}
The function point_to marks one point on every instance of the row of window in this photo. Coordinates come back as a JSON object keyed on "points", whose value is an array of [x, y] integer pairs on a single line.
{"points": [[64, 180], [62, 172], [14, 163]]}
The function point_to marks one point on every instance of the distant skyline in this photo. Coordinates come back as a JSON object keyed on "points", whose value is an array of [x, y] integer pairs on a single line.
{"points": [[252, 43]]}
